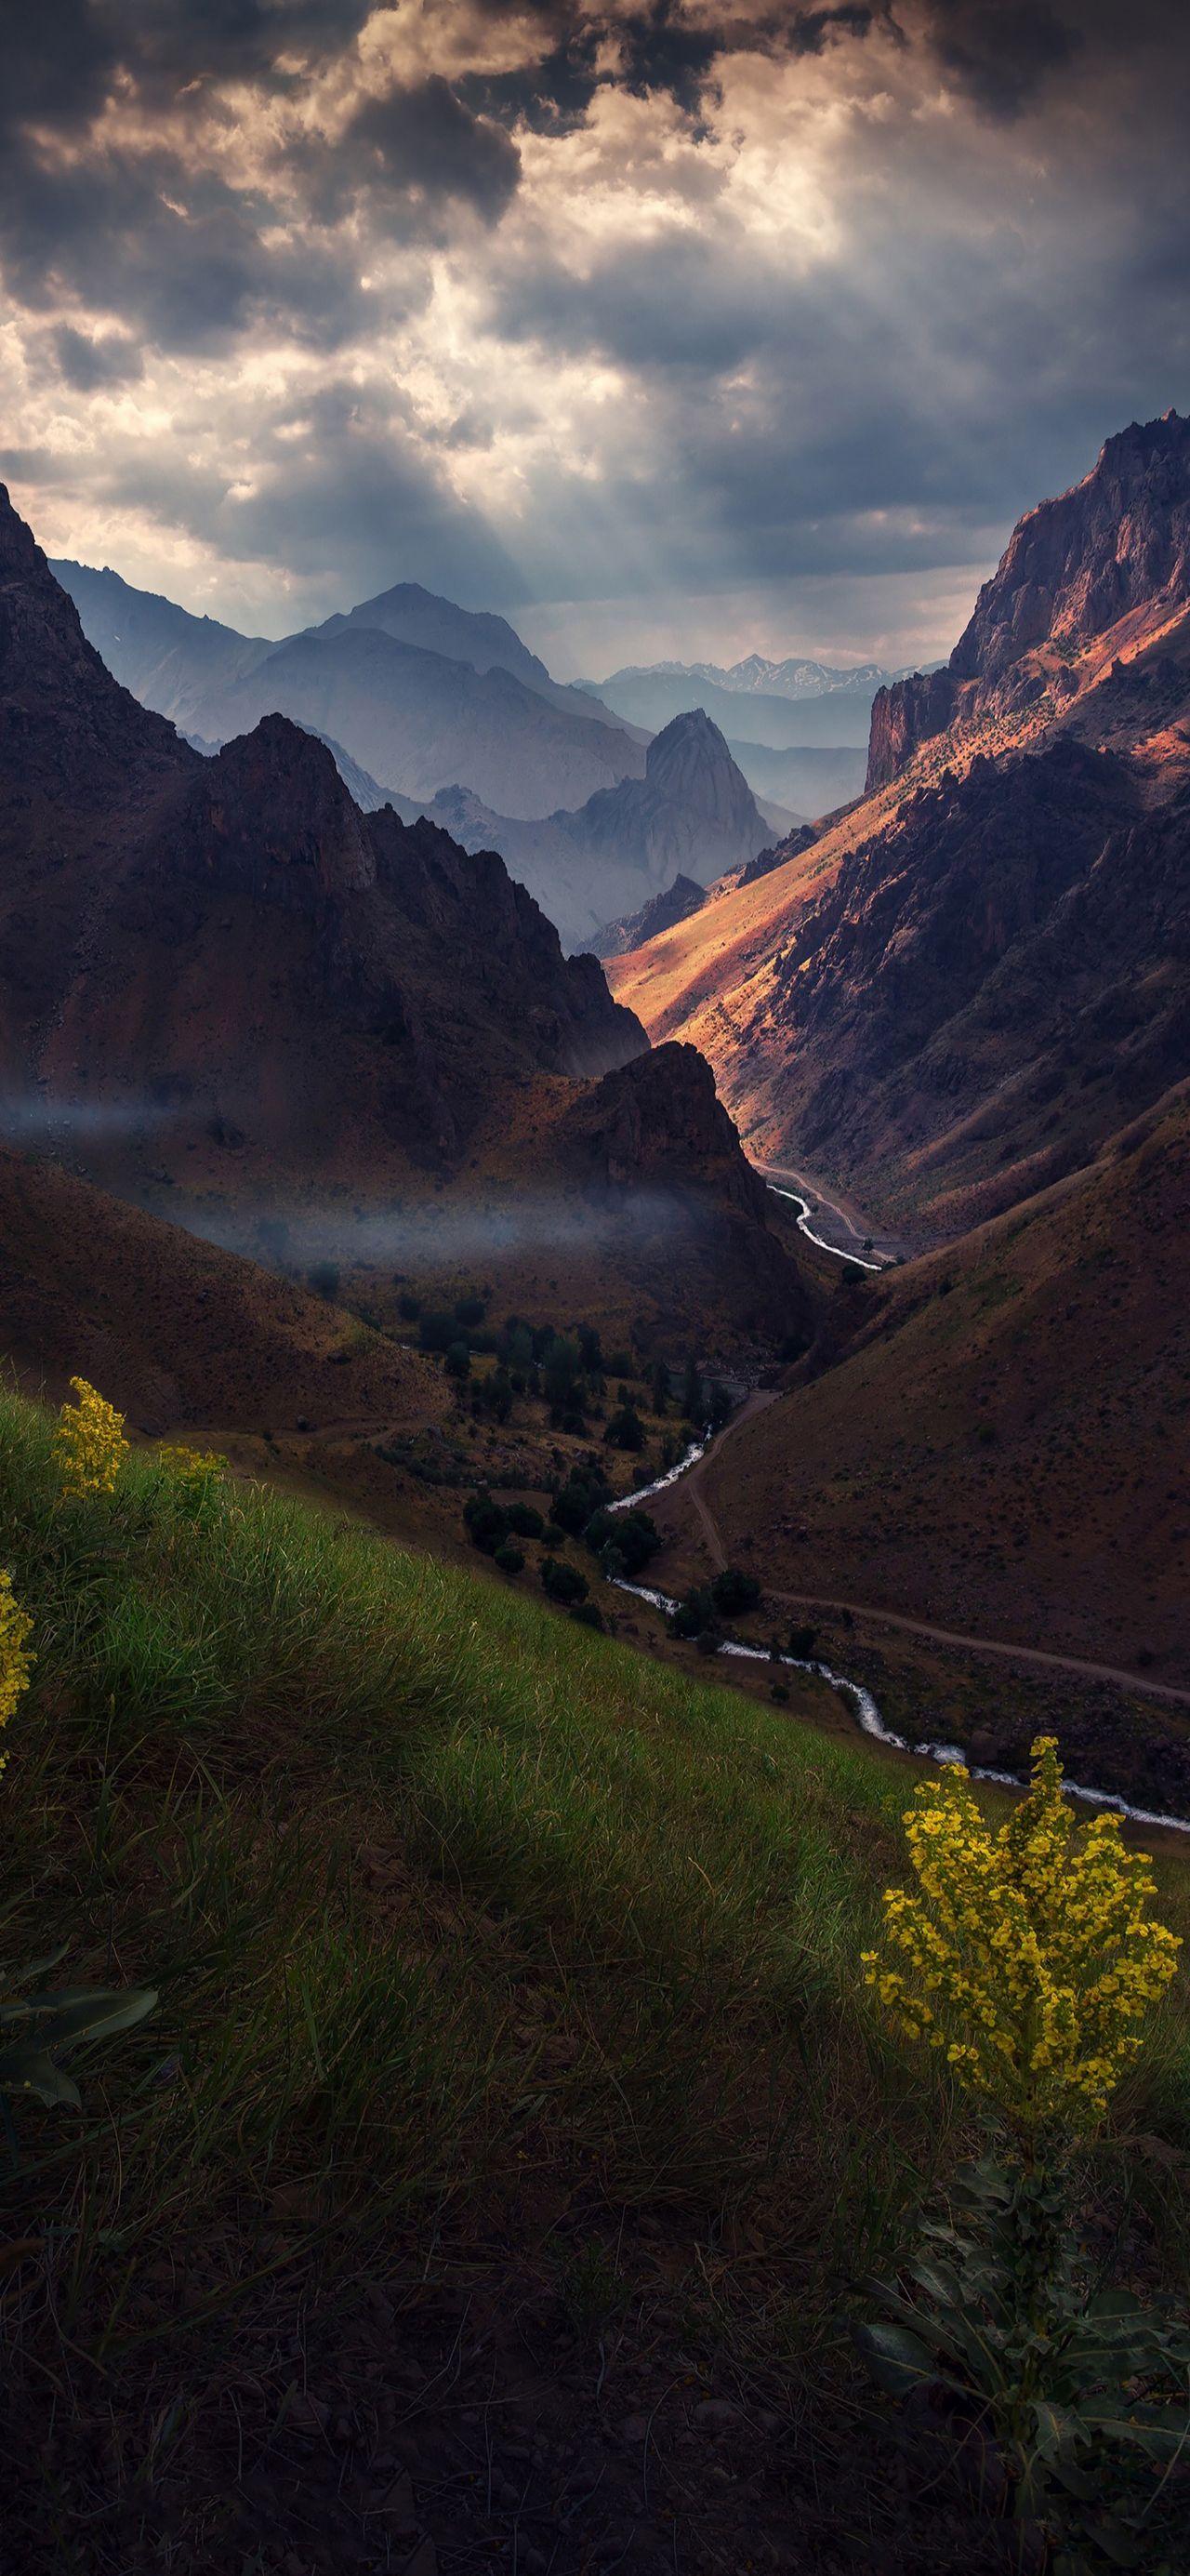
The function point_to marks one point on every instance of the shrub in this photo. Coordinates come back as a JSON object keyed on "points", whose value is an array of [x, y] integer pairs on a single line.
{"points": [[589, 1613], [563, 1582], [437, 1331], [525, 1519], [486, 1523], [732, 1591], [510, 1559], [620, 1364], [408, 1307], [802, 1641], [458, 1360], [323, 1278], [469, 1310]]}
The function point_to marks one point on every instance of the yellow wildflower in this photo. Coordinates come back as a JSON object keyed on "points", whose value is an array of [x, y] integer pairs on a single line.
{"points": [[16, 1628], [1033, 1943], [196, 1471], [90, 1438]]}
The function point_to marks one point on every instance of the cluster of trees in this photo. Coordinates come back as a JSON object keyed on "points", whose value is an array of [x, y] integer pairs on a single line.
{"points": [[568, 1369], [623, 1542], [701, 1612]]}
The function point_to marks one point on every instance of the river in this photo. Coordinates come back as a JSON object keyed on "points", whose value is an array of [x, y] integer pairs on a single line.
{"points": [[866, 1710]]}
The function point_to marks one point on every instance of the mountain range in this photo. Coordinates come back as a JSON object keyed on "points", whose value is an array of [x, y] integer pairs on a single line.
{"points": [[963, 989], [779, 706], [231, 995], [418, 692]]}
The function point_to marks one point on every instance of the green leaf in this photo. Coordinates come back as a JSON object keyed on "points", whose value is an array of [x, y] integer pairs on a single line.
{"points": [[31, 2070], [12, 1979], [898, 2359]]}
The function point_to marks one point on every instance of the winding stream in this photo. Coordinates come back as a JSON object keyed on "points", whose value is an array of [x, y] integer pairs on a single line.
{"points": [[804, 1227], [867, 1713]]}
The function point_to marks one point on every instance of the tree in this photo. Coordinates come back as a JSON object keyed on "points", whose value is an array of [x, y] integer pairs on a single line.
{"points": [[408, 1307], [525, 1519], [562, 1368], [470, 1311], [436, 1332], [563, 1582], [589, 1350], [626, 1430], [324, 1279], [661, 1387], [692, 1391], [694, 1615], [510, 1559], [486, 1524], [458, 1360], [733, 1591]]}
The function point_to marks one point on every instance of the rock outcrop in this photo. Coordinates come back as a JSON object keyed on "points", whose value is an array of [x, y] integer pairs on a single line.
{"points": [[1100, 570]]}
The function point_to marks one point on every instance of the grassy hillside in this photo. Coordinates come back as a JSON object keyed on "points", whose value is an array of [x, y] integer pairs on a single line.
{"points": [[504, 1976]]}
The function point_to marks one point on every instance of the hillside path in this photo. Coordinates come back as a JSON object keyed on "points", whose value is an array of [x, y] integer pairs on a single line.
{"points": [[1038, 1656]]}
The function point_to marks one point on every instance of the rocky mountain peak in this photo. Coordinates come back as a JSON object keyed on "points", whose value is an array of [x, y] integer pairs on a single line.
{"points": [[689, 761], [1104, 565]]}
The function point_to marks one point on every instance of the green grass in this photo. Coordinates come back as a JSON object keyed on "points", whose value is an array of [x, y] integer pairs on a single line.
{"points": [[441, 1892]]}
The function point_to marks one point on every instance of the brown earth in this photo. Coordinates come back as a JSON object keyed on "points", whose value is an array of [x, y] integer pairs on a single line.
{"points": [[177, 1332], [999, 1449]]}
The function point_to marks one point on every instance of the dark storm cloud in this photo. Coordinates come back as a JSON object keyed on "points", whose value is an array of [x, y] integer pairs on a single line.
{"points": [[86, 362], [421, 141]]}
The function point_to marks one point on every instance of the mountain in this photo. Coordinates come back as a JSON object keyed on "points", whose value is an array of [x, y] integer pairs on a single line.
{"points": [[983, 971], [229, 993], [1096, 577], [756, 675], [995, 1448], [692, 814], [832, 717], [486, 643], [411, 714]]}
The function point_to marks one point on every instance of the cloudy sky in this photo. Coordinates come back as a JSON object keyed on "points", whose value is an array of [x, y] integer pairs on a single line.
{"points": [[669, 327]]}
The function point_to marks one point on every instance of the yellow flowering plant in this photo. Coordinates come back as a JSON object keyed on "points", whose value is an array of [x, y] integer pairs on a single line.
{"points": [[16, 1628], [90, 1443], [195, 1473], [1027, 1953]]}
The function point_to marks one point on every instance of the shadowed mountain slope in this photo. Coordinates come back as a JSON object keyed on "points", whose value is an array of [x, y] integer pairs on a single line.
{"points": [[230, 994]]}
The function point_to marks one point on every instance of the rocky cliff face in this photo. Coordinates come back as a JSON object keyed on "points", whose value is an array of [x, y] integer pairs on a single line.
{"points": [[655, 1135], [1100, 570]]}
